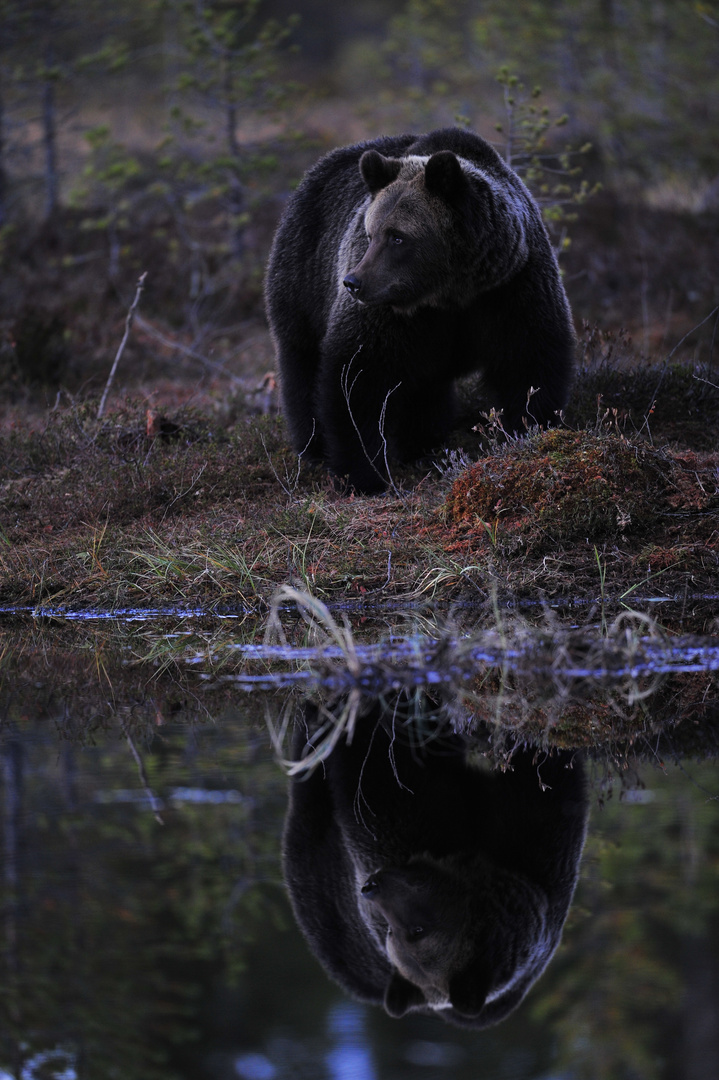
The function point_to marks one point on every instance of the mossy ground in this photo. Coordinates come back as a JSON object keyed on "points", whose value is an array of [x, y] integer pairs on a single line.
{"points": [[566, 487], [202, 506]]}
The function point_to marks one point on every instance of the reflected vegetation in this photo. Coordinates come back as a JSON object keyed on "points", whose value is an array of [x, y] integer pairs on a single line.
{"points": [[145, 926]]}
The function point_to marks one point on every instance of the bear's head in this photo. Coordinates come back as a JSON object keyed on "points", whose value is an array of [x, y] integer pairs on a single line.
{"points": [[438, 230], [429, 940]]}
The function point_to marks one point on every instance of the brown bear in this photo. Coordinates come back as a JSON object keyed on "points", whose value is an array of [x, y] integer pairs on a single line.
{"points": [[400, 265], [424, 883]]}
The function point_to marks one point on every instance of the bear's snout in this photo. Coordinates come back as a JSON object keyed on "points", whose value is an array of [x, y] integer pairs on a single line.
{"points": [[353, 285], [391, 882], [370, 888]]}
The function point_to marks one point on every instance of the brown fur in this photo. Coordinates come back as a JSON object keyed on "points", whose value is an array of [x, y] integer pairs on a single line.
{"points": [[422, 883], [399, 266]]}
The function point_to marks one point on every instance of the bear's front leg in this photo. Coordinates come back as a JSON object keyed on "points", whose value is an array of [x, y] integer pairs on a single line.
{"points": [[352, 403], [298, 372]]}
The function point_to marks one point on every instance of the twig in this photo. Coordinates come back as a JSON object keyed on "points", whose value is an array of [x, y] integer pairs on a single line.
{"points": [[711, 347], [155, 803], [653, 402], [212, 365], [347, 389], [291, 486], [706, 381], [689, 332], [382, 419], [125, 336], [183, 494]]}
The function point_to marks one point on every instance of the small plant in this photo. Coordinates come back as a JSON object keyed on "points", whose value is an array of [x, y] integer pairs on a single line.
{"points": [[110, 191], [230, 72], [452, 463], [553, 177], [322, 629]]}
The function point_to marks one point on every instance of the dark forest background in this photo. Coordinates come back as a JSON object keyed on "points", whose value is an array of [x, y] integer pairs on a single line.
{"points": [[164, 136]]}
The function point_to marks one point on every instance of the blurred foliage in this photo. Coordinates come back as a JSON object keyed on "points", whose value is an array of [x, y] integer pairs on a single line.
{"points": [[46, 48], [116, 923], [228, 71], [200, 186], [209, 73], [626, 991], [554, 176], [164, 136], [641, 77], [423, 46]]}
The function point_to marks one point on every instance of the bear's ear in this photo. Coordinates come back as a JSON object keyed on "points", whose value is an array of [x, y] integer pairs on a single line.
{"points": [[468, 989], [401, 995], [378, 171], [443, 176]]}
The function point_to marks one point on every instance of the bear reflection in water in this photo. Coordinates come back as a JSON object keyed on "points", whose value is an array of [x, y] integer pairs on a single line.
{"points": [[426, 882]]}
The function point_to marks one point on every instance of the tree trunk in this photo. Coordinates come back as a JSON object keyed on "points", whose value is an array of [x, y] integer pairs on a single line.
{"points": [[3, 172], [11, 775], [49, 137], [236, 195]]}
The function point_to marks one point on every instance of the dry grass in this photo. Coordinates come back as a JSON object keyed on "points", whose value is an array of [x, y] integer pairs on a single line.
{"points": [[188, 506]]}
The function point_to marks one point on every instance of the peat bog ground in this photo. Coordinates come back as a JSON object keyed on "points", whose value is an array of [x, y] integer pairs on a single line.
{"points": [[150, 507]]}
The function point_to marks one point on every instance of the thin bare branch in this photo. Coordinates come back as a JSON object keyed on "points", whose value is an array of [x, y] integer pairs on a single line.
{"points": [[123, 343]]}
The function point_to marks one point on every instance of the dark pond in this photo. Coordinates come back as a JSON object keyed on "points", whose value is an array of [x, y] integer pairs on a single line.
{"points": [[146, 928]]}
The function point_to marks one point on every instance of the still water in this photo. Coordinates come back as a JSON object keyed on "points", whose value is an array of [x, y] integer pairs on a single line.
{"points": [[149, 924]]}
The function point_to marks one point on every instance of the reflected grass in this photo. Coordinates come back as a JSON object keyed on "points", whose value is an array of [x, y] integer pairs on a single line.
{"points": [[493, 674], [543, 680]]}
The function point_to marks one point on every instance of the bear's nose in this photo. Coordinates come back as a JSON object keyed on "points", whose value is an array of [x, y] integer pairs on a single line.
{"points": [[370, 888], [353, 284]]}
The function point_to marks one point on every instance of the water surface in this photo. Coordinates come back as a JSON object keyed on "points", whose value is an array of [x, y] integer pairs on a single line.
{"points": [[146, 930]]}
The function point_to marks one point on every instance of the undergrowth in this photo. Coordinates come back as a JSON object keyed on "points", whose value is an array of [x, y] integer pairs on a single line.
{"points": [[562, 486], [149, 507]]}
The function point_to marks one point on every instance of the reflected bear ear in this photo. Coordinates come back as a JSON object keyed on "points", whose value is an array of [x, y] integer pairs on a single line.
{"points": [[401, 995], [378, 171], [468, 989], [443, 176]]}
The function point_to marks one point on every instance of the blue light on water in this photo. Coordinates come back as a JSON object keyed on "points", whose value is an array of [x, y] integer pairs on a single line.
{"points": [[255, 1067], [351, 1058]]}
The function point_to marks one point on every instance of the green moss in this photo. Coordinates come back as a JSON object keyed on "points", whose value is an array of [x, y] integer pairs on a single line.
{"points": [[562, 486]]}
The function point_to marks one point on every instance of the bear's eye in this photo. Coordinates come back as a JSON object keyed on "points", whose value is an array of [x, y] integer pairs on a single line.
{"points": [[395, 239], [415, 933]]}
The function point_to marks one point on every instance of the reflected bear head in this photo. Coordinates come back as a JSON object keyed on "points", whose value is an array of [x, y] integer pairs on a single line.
{"points": [[425, 883]]}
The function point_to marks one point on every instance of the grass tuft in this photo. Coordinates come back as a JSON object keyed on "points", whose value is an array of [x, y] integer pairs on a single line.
{"points": [[174, 507]]}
